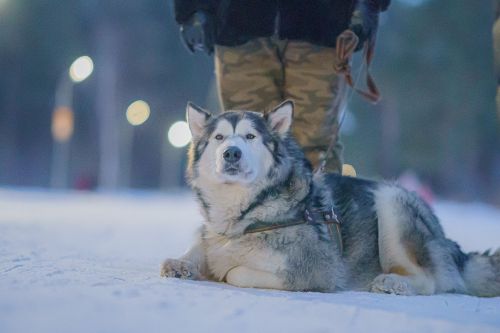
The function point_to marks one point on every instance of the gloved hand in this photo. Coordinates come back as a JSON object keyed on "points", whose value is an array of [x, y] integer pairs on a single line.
{"points": [[364, 21], [359, 28], [198, 33]]}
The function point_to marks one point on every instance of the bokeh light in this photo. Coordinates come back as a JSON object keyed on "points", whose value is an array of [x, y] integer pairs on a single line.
{"points": [[138, 112], [81, 69], [62, 123], [179, 134]]}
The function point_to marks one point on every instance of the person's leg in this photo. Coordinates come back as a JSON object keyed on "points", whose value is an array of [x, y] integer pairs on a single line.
{"points": [[250, 76], [310, 80]]}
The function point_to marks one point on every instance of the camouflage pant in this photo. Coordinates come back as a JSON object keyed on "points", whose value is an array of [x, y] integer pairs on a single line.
{"points": [[262, 73]]}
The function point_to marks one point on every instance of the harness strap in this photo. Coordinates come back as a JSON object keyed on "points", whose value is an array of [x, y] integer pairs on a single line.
{"points": [[329, 218], [264, 226], [310, 217]]}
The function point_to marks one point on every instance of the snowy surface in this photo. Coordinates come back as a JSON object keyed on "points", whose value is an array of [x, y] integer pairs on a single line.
{"points": [[90, 263]]}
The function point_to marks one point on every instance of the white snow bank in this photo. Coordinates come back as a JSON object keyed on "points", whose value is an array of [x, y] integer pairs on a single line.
{"points": [[90, 263]]}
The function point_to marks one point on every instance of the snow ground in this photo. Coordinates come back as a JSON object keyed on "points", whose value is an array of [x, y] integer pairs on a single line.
{"points": [[72, 262]]}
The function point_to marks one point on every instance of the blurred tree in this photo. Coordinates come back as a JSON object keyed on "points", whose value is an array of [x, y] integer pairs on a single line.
{"points": [[434, 68], [496, 46], [40, 39], [433, 65], [34, 51]]}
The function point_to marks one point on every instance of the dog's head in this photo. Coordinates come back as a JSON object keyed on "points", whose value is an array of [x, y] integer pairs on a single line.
{"points": [[240, 147]]}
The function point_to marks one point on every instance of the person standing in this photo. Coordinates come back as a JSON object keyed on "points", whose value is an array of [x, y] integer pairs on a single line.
{"points": [[267, 51]]}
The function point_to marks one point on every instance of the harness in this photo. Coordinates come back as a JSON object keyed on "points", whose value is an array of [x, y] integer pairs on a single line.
{"points": [[308, 217]]}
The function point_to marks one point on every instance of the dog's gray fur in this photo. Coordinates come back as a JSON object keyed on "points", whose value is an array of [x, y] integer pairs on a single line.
{"points": [[392, 241]]}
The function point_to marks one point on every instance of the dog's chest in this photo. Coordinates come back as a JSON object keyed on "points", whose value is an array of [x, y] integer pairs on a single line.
{"points": [[224, 254]]}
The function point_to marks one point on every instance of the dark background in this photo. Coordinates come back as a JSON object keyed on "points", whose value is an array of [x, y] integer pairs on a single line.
{"points": [[433, 64]]}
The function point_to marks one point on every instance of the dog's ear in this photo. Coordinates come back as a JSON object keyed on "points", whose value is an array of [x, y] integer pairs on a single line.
{"points": [[197, 119], [280, 118]]}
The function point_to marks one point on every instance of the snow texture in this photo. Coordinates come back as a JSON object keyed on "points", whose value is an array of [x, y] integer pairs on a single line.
{"points": [[72, 262]]}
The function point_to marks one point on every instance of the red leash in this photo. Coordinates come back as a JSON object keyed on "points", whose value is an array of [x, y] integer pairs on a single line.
{"points": [[346, 44]]}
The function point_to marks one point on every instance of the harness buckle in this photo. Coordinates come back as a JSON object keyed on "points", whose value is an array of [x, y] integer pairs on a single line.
{"points": [[309, 218], [330, 217]]}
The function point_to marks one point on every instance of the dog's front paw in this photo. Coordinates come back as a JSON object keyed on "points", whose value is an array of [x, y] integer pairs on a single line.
{"points": [[392, 284], [180, 269]]}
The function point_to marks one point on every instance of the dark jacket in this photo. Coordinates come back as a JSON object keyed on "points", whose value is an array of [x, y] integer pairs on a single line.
{"points": [[315, 21]]}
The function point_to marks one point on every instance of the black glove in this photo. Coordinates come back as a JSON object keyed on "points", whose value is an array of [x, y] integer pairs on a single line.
{"points": [[198, 33], [364, 21], [357, 27]]}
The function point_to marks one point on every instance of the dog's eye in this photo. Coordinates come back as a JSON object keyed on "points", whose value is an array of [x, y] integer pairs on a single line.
{"points": [[219, 137], [250, 136]]}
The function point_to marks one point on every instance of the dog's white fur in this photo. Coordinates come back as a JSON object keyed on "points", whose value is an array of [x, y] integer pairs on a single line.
{"points": [[259, 269]]}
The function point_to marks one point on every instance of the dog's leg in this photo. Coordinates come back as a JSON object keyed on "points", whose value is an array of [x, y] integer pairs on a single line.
{"points": [[402, 272], [245, 277], [190, 266]]}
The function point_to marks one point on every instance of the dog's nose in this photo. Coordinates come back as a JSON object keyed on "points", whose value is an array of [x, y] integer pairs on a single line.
{"points": [[232, 154]]}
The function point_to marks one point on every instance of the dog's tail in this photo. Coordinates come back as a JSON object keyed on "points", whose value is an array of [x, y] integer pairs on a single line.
{"points": [[482, 274]]}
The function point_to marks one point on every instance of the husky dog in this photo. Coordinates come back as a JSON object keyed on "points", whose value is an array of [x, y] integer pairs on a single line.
{"points": [[271, 223]]}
